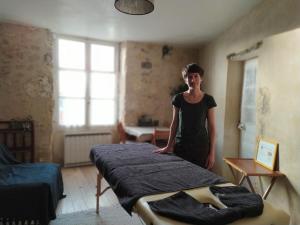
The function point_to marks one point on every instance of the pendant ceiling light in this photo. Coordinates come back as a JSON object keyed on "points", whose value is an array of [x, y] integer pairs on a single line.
{"points": [[135, 7]]}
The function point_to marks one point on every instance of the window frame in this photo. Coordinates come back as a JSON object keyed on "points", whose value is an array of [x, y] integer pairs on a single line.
{"points": [[87, 42]]}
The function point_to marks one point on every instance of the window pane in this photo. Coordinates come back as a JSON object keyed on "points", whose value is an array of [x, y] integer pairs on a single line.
{"points": [[102, 58], [102, 85], [72, 83], [71, 112], [102, 112], [71, 54]]}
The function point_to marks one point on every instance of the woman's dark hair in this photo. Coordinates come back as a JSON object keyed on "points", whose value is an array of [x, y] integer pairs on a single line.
{"points": [[192, 68]]}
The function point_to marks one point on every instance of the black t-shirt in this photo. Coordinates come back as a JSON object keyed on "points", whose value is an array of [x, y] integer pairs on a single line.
{"points": [[192, 119]]}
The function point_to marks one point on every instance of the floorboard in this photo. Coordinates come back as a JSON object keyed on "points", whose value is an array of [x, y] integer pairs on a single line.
{"points": [[80, 188]]}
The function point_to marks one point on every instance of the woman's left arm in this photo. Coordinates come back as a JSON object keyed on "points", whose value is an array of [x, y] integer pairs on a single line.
{"points": [[211, 122]]}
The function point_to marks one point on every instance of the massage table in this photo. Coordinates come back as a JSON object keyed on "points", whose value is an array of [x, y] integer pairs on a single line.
{"points": [[140, 206], [270, 215]]}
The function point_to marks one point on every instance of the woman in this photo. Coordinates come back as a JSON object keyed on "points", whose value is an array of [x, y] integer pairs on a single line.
{"points": [[193, 129]]}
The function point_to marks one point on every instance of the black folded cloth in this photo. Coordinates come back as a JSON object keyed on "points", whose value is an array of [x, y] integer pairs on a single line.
{"points": [[185, 208], [238, 197]]}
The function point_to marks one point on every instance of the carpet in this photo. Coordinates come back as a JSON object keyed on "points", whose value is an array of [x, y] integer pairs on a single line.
{"points": [[114, 215]]}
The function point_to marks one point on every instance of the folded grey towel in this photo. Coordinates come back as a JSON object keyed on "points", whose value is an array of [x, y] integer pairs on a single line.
{"points": [[249, 204], [185, 208]]}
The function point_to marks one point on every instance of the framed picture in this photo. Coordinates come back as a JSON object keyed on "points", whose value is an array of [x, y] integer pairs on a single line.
{"points": [[266, 153]]}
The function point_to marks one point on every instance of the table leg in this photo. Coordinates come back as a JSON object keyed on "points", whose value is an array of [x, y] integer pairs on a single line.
{"points": [[242, 179], [98, 186], [99, 192], [250, 184], [232, 171], [265, 195]]}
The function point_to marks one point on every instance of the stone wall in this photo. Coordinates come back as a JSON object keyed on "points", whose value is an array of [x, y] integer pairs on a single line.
{"points": [[26, 82], [149, 72]]}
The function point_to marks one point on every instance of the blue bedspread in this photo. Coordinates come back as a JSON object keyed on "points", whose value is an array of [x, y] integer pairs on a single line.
{"points": [[30, 191]]}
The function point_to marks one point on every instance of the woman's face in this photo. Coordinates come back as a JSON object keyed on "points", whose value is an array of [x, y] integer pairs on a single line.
{"points": [[193, 80]]}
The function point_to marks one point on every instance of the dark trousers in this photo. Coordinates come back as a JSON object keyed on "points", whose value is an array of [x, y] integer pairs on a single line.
{"points": [[194, 153]]}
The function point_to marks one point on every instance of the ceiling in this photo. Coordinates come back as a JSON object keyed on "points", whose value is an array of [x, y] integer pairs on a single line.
{"points": [[181, 22]]}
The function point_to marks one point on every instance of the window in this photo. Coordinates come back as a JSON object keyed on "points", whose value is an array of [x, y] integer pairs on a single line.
{"points": [[86, 83]]}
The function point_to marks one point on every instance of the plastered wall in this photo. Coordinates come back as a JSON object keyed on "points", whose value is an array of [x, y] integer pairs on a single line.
{"points": [[278, 111], [276, 92], [148, 77], [26, 82]]}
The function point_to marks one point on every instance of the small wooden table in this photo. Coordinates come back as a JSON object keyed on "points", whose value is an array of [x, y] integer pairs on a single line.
{"points": [[248, 168]]}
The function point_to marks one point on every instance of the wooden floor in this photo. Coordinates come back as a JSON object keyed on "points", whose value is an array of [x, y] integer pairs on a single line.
{"points": [[80, 188]]}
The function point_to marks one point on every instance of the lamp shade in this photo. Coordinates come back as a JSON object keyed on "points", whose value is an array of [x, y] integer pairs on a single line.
{"points": [[135, 7]]}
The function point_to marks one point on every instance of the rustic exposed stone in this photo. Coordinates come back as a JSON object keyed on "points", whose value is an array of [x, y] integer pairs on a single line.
{"points": [[147, 88], [26, 81]]}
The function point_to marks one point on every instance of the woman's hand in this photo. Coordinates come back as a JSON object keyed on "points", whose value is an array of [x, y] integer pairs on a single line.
{"points": [[210, 160], [164, 150]]}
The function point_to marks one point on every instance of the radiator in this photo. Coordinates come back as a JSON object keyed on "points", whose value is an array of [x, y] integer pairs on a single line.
{"points": [[77, 147]]}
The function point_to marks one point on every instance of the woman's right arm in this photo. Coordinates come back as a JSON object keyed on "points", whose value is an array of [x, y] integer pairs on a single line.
{"points": [[173, 129]]}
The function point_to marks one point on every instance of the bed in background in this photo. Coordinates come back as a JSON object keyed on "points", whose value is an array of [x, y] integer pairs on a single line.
{"points": [[137, 176], [29, 192]]}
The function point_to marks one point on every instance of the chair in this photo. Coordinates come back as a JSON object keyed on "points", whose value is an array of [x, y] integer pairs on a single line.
{"points": [[122, 134], [160, 137]]}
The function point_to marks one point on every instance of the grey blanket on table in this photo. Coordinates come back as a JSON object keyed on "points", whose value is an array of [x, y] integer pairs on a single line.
{"points": [[134, 171]]}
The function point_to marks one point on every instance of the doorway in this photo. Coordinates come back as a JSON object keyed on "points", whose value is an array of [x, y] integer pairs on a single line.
{"points": [[247, 125]]}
